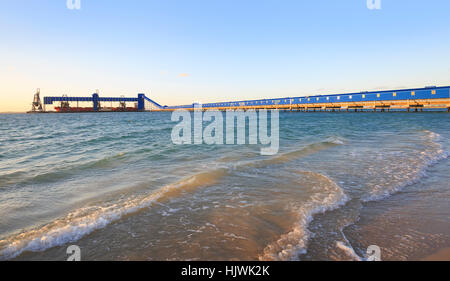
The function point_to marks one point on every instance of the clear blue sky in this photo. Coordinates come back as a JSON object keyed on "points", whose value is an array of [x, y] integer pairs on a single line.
{"points": [[183, 51]]}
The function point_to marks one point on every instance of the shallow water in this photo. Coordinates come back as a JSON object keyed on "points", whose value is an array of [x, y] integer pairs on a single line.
{"points": [[115, 185]]}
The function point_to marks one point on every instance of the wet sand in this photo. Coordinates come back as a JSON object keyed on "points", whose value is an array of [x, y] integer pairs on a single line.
{"points": [[442, 255]]}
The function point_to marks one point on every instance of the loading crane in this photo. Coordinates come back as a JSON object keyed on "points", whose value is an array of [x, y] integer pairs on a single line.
{"points": [[36, 105]]}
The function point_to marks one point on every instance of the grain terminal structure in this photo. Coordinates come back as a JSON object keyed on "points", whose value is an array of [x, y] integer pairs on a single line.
{"points": [[405, 99]]}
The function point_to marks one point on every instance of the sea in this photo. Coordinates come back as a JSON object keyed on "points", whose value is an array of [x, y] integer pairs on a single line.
{"points": [[117, 187]]}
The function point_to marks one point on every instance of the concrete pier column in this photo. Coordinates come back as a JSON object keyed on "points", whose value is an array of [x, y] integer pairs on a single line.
{"points": [[95, 102], [141, 102]]}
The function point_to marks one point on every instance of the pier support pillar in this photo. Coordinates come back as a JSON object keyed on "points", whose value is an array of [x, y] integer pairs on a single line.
{"points": [[141, 102], [95, 102]]}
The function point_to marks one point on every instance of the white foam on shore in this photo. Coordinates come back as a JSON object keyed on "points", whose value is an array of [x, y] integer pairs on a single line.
{"points": [[349, 251], [290, 245], [86, 220], [432, 155]]}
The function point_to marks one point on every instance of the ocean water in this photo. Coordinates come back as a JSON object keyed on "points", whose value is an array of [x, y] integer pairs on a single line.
{"points": [[116, 186]]}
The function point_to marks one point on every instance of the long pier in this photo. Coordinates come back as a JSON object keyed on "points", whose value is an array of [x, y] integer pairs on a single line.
{"points": [[416, 99]]}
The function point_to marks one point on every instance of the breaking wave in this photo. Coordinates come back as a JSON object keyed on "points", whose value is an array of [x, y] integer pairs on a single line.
{"points": [[327, 196], [292, 155], [86, 220], [416, 170]]}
